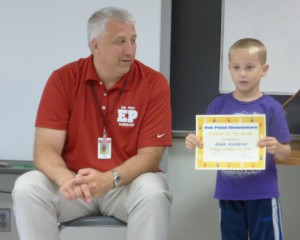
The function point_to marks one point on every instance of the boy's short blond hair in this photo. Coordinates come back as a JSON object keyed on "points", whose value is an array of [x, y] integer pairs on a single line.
{"points": [[248, 43]]}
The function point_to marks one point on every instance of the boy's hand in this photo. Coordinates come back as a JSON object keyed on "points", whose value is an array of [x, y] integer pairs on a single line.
{"points": [[279, 150], [270, 143], [191, 142]]}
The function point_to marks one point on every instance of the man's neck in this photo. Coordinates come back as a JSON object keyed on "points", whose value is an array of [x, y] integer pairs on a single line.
{"points": [[109, 83]]}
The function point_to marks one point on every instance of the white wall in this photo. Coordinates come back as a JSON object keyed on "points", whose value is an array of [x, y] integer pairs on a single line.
{"points": [[38, 37], [194, 212]]}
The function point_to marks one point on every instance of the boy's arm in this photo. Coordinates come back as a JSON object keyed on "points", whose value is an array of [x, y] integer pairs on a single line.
{"points": [[281, 151]]}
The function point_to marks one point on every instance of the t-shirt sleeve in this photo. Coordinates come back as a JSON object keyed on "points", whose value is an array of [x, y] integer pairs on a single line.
{"points": [[53, 108], [213, 106], [278, 124], [156, 128]]}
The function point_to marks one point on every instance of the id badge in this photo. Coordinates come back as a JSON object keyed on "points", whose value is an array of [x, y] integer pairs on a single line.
{"points": [[104, 148]]}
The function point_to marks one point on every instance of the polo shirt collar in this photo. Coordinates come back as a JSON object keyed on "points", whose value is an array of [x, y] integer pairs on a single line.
{"points": [[92, 75]]}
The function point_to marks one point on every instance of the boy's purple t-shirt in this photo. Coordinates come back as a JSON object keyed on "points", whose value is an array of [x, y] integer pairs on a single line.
{"points": [[251, 184]]}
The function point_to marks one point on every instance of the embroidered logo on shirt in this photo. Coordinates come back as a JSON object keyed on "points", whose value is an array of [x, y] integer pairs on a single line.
{"points": [[160, 135], [126, 116]]}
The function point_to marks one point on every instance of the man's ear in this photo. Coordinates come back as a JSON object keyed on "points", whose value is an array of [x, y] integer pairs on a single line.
{"points": [[95, 45]]}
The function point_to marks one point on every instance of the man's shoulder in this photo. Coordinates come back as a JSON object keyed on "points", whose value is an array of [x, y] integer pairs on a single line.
{"points": [[76, 64], [145, 69], [142, 72], [138, 64], [73, 72]]}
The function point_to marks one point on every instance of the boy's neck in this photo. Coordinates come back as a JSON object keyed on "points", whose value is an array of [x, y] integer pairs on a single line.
{"points": [[244, 97]]}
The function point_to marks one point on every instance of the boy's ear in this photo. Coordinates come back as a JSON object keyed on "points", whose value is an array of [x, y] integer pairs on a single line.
{"points": [[265, 69]]}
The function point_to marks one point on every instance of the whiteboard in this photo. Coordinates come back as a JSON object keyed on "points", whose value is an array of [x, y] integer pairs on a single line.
{"points": [[39, 36], [274, 22]]}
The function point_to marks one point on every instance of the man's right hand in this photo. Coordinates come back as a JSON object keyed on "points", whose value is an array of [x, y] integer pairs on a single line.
{"points": [[71, 191], [93, 183]]}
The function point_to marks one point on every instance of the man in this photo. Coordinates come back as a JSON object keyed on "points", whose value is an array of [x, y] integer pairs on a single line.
{"points": [[101, 129]]}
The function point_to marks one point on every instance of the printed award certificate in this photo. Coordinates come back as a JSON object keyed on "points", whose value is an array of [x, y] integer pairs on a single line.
{"points": [[229, 142]]}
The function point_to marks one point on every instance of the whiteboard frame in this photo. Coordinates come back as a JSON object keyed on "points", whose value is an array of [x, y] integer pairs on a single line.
{"points": [[283, 77]]}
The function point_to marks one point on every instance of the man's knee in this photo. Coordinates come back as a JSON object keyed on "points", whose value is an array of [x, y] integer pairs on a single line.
{"points": [[27, 184], [152, 189]]}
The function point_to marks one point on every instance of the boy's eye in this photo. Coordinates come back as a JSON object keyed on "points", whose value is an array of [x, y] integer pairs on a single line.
{"points": [[133, 41]]}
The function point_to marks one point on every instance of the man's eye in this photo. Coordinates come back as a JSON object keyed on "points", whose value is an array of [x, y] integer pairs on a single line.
{"points": [[120, 42]]}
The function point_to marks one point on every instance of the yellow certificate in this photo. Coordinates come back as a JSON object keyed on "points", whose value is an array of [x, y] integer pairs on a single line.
{"points": [[230, 142]]}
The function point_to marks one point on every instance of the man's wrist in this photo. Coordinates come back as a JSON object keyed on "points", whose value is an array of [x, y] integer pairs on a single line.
{"points": [[117, 178]]}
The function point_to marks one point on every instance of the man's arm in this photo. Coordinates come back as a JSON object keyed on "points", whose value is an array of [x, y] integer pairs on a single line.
{"points": [[146, 160], [49, 144], [47, 154]]}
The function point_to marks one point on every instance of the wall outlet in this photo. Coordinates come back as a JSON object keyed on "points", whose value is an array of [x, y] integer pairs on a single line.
{"points": [[4, 219]]}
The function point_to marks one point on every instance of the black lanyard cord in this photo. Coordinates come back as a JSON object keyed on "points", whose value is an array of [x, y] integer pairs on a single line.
{"points": [[95, 96]]}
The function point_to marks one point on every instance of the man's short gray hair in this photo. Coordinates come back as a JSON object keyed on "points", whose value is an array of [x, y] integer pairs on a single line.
{"points": [[97, 22]]}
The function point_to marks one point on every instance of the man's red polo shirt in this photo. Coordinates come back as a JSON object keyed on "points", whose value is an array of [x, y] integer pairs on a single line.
{"points": [[137, 118]]}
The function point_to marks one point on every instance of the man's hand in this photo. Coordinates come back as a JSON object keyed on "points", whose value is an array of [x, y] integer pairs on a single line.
{"points": [[72, 191], [89, 183]]}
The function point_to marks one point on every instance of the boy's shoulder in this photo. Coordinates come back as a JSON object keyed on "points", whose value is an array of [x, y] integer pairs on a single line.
{"points": [[221, 98], [218, 103], [266, 99], [228, 102], [270, 100]]}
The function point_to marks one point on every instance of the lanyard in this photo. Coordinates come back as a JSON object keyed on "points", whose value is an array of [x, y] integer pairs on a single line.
{"points": [[95, 96]]}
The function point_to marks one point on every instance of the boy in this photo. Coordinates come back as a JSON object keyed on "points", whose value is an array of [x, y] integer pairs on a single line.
{"points": [[248, 200]]}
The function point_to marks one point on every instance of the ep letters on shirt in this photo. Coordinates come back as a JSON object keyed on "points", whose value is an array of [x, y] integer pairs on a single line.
{"points": [[230, 142]]}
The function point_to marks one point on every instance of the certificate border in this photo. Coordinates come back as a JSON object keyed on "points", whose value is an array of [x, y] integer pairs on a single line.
{"points": [[200, 164]]}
